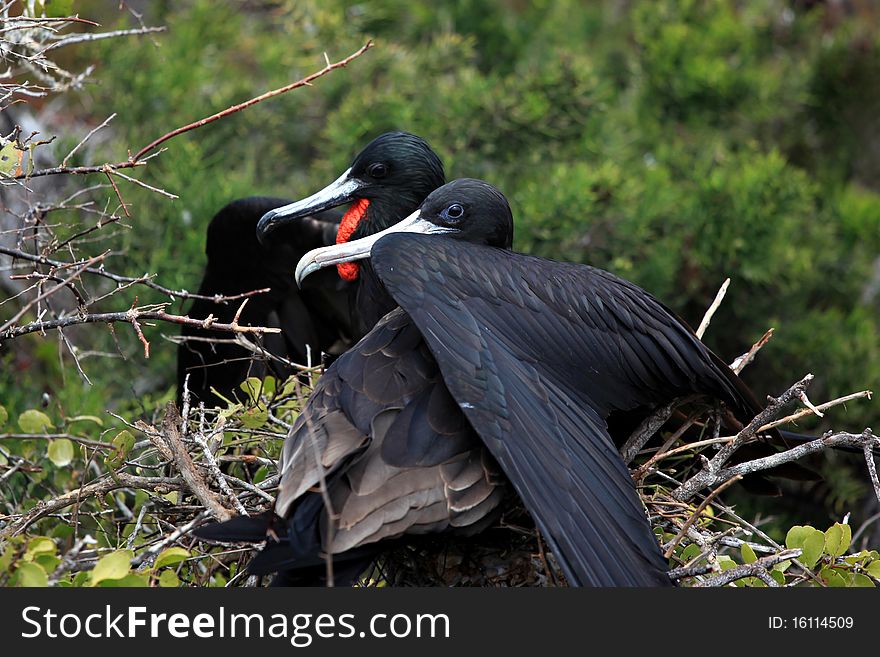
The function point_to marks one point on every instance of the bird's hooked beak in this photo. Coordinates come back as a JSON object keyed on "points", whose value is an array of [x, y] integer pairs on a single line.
{"points": [[339, 192], [360, 249]]}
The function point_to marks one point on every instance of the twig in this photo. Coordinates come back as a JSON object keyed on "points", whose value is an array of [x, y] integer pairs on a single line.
{"points": [[810, 411], [649, 426], [128, 317], [90, 36], [710, 474], [742, 361], [171, 433], [869, 460], [865, 440], [696, 514], [253, 101], [129, 280], [707, 318], [750, 569], [86, 138], [95, 489], [139, 159]]}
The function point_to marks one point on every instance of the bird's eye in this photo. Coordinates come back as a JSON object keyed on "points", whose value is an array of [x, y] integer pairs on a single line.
{"points": [[377, 170], [453, 213]]}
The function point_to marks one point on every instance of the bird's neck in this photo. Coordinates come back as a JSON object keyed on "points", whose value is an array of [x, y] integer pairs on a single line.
{"points": [[372, 300]]}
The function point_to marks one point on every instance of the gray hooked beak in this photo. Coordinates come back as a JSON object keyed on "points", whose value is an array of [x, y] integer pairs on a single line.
{"points": [[360, 249], [338, 192]]}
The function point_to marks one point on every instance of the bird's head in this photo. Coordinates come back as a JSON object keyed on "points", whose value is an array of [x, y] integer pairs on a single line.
{"points": [[386, 181], [465, 209]]}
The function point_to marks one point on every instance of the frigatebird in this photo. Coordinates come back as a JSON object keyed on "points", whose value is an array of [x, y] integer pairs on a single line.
{"points": [[495, 374], [386, 181]]}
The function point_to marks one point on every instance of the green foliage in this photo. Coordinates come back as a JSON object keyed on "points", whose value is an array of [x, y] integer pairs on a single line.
{"points": [[673, 142], [826, 555]]}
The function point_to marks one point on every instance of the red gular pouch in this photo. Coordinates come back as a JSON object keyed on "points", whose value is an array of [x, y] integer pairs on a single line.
{"points": [[349, 270]]}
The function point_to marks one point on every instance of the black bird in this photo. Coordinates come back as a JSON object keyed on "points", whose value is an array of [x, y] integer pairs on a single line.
{"points": [[386, 181], [316, 315], [496, 362]]}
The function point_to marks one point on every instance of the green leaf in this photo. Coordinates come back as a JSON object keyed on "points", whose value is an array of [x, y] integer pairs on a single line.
{"points": [[862, 581], [60, 451], [796, 535], [131, 580], [10, 158], [40, 545], [837, 539], [171, 556], [34, 421], [81, 578], [814, 546], [810, 540], [168, 579], [748, 554], [31, 575], [874, 569], [726, 562], [48, 562], [115, 565], [122, 444], [56, 8], [779, 576], [255, 417], [5, 559], [834, 577], [4, 415], [253, 387], [690, 552]]}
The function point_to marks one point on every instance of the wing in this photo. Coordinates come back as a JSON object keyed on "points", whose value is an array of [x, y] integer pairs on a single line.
{"points": [[537, 353], [392, 448]]}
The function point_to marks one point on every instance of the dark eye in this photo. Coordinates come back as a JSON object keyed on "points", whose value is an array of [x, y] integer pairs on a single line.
{"points": [[453, 213], [377, 170]]}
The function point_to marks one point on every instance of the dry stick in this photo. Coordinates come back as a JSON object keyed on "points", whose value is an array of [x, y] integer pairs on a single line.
{"points": [[841, 439], [108, 171], [127, 317], [171, 433], [253, 101], [86, 138], [150, 553], [51, 436], [68, 561], [136, 160], [707, 318], [96, 489], [128, 280], [811, 411], [709, 475], [742, 361], [214, 468], [696, 514], [750, 569], [649, 426], [660, 455], [869, 460], [62, 284], [89, 36]]}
